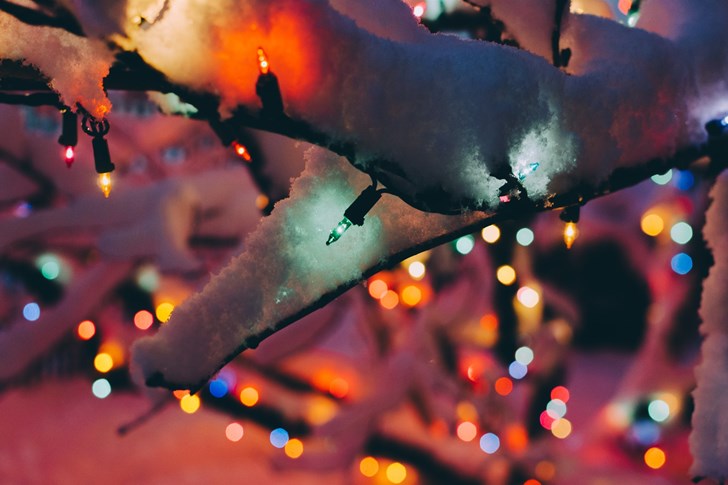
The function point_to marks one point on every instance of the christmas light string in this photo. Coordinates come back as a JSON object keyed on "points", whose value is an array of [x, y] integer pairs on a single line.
{"points": [[69, 135], [102, 158]]}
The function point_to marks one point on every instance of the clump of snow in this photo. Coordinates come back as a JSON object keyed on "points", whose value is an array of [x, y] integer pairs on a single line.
{"points": [[285, 267], [708, 442], [75, 65], [426, 112]]}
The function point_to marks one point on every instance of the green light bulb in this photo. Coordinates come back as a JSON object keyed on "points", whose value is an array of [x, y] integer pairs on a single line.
{"points": [[339, 230]]}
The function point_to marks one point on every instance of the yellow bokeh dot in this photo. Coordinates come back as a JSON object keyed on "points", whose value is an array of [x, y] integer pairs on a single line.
{"points": [[103, 362], [189, 404], [396, 472], [655, 458], [164, 311], [369, 466], [561, 428], [491, 234], [506, 275], [294, 448], [652, 224], [320, 410], [249, 396], [411, 295]]}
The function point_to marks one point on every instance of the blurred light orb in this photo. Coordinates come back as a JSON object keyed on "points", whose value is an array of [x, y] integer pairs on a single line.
{"points": [[416, 270], [189, 404], [234, 432], [164, 311], [662, 179], [506, 275], [396, 472], [658, 410], [681, 233], [517, 370], [249, 396], [31, 312], [279, 437], [369, 466], [294, 448], [652, 224], [143, 319], [527, 296], [524, 355], [489, 443], [491, 234], [101, 388], [681, 263], [467, 431], [218, 388], [524, 236], [465, 244], [655, 458], [86, 330]]}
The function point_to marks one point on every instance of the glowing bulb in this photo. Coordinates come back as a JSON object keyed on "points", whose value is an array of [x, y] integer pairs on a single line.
{"points": [[571, 232], [69, 155], [242, 151], [263, 64], [105, 183], [338, 231], [419, 10]]}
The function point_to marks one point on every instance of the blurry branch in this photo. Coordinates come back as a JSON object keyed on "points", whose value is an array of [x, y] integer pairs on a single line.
{"points": [[45, 188], [58, 17]]}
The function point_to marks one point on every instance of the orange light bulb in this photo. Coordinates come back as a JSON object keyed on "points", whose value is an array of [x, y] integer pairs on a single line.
{"points": [[105, 183], [571, 232], [242, 151]]}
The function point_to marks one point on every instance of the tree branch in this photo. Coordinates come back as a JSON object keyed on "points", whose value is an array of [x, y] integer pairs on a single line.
{"points": [[63, 20]]}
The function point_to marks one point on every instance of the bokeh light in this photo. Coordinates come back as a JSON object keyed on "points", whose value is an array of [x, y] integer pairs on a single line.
{"points": [[560, 392], [390, 300], [561, 428], [658, 410], [681, 263], [545, 470], [377, 288], [681, 233], [556, 408], [294, 448], [249, 396], [527, 296], [279, 437], [506, 275], [218, 388], [467, 431], [652, 224], [396, 472], [416, 270], [489, 443], [662, 179], [524, 236], [517, 370], [31, 312], [369, 466], [491, 234], [465, 244], [143, 319], [645, 432], [101, 388], [655, 458], [189, 403], [234, 432], [164, 311], [50, 270], [503, 386], [103, 362], [411, 295], [148, 278], [524, 355], [86, 330]]}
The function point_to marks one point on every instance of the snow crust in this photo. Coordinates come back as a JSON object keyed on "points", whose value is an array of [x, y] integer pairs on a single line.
{"points": [[709, 437], [75, 65], [285, 267]]}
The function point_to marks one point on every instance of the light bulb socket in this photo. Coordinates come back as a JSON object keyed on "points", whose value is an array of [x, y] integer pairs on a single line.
{"points": [[102, 157], [570, 214], [69, 129], [362, 205], [269, 92]]}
